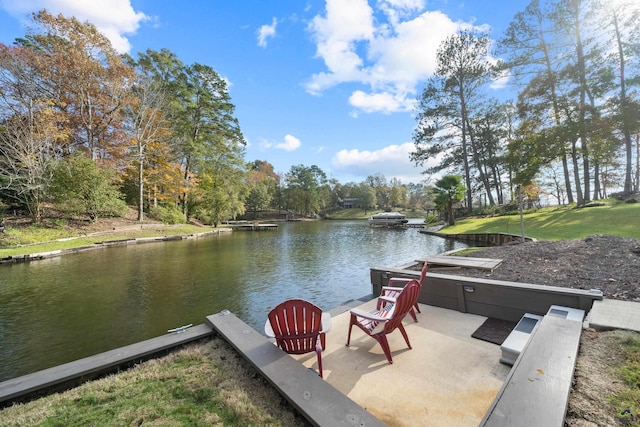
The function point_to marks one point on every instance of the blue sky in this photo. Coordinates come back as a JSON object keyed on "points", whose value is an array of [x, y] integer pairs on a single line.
{"points": [[328, 83]]}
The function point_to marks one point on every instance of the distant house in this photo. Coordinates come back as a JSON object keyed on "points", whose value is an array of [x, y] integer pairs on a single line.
{"points": [[349, 202]]}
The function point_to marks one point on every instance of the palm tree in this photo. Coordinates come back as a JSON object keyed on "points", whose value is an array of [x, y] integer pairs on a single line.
{"points": [[449, 191]]}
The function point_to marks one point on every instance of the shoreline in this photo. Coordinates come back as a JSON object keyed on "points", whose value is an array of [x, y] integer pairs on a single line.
{"points": [[36, 256]]}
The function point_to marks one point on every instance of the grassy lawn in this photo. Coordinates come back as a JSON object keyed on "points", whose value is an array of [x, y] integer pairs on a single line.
{"points": [[23, 241], [560, 223], [629, 373], [203, 384]]}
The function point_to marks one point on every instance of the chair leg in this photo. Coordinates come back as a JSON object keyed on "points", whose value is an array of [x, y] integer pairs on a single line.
{"points": [[417, 308], [323, 340], [382, 339], [412, 313], [404, 334], [351, 322], [319, 353]]}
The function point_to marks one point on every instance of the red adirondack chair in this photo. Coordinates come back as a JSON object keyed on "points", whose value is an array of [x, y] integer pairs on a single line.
{"points": [[379, 323], [297, 326], [390, 292]]}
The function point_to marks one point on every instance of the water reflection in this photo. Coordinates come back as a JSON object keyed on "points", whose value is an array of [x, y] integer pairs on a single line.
{"points": [[62, 309]]}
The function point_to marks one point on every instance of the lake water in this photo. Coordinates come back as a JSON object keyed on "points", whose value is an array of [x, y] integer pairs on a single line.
{"points": [[61, 309]]}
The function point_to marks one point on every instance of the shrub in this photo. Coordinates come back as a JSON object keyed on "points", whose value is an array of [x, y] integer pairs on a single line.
{"points": [[81, 187], [430, 219], [168, 214]]}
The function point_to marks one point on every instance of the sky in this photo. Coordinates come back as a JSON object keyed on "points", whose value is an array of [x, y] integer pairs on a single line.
{"points": [[331, 83]]}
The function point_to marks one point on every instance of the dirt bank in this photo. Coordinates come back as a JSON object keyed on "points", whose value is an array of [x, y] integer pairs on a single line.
{"points": [[608, 263]]}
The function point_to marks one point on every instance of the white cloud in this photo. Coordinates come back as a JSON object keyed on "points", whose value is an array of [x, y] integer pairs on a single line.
{"points": [[391, 161], [267, 31], [336, 34], [265, 144], [501, 80], [385, 102], [389, 52], [114, 18], [291, 143], [396, 9]]}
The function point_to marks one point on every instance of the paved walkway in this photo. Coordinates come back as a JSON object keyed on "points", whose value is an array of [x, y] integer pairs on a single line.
{"points": [[614, 314]]}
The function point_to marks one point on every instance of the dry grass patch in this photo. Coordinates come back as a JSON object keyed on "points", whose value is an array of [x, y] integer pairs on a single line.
{"points": [[606, 388], [204, 384]]}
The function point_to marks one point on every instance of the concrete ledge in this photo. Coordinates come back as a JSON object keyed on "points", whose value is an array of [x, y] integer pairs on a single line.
{"points": [[536, 391], [319, 402], [491, 238], [487, 297], [614, 314], [82, 370]]}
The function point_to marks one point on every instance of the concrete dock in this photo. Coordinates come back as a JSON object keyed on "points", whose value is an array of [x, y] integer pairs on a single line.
{"points": [[447, 379]]}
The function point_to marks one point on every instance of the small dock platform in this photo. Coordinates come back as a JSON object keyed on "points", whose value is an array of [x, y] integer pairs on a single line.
{"points": [[489, 264], [249, 226], [413, 225]]}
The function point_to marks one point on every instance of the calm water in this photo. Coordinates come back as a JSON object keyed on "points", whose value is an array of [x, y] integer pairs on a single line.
{"points": [[61, 309]]}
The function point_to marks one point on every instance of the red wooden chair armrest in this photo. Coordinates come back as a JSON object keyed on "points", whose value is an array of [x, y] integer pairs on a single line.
{"points": [[368, 315]]}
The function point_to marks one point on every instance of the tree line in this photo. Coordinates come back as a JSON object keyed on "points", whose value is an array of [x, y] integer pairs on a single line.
{"points": [[92, 132], [575, 66]]}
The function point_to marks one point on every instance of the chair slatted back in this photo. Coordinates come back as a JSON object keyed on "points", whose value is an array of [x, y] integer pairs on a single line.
{"points": [[423, 273], [296, 324], [407, 298]]}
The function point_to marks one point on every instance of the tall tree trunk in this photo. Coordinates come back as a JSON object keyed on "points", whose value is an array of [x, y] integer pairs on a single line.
{"points": [[576, 171], [582, 125], [498, 185], [484, 178], [637, 162], [465, 150], [140, 186], [183, 198], [567, 177], [556, 109], [624, 105], [596, 180]]}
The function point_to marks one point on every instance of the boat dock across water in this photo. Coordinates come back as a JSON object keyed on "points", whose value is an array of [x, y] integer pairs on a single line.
{"points": [[253, 226]]}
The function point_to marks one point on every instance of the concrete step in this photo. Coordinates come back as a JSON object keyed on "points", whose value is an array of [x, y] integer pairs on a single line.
{"points": [[614, 314]]}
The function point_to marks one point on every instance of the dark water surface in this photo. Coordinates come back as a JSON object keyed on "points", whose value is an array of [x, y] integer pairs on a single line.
{"points": [[61, 309]]}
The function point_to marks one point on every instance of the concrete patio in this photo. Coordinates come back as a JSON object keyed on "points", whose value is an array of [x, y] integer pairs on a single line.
{"points": [[447, 379]]}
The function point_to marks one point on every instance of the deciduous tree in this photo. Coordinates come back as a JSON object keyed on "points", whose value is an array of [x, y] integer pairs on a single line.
{"points": [[304, 185], [86, 79], [149, 132]]}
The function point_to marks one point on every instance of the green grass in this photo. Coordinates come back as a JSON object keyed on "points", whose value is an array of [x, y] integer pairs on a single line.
{"points": [[629, 373], [560, 223], [354, 213], [202, 385], [18, 242]]}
